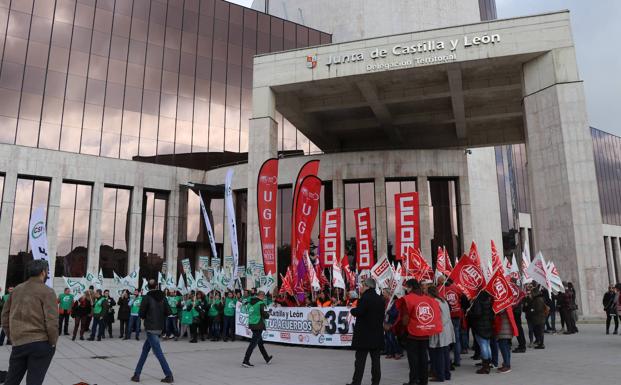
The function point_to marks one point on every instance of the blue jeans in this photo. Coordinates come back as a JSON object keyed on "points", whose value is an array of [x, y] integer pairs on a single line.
{"points": [[441, 362], [486, 353], [229, 326], [134, 325], [493, 345], [98, 328], [505, 349], [215, 328], [465, 338], [171, 327], [392, 346], [152, 342], [457, 344]]}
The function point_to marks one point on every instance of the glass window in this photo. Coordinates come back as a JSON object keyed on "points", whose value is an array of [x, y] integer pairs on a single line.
{"points": [[114, 224], [394, 187], [73, 225], [29, 195], [444, 218], [153, 248]]}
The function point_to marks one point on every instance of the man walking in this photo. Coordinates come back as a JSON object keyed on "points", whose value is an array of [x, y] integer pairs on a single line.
{"points": [[30, 319], [368, 336], [256, 322], [154, 310]]}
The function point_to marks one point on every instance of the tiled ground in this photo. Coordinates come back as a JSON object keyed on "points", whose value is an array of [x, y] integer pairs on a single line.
{"points": [[587, 358]]}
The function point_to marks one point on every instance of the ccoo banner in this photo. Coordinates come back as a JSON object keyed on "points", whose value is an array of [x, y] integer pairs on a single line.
{"points": [[267, 191], [326, 326], [407, 223], [364, 239], [330, 242], [38, 238]]}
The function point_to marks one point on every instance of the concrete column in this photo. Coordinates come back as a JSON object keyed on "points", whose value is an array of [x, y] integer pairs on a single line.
{"points": [[338, 202], [94, 229], [135, 225], [616, 253], [6, 222], [567, 222], [262, 145], [422, 188], [381, 236], [609, 260], [53, 214], [172, 230]]}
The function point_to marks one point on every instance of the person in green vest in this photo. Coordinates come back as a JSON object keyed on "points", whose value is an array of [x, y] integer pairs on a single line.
{"points": [[4, 300], [246, 297], [215, 316], [174, 302], [134, 315], [100, 309], [65, 303], [257, 314], [188, 318], [230, 302]]}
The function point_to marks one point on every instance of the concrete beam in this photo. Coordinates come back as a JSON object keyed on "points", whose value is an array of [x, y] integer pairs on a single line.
{"points": [[457, 101], [383, 115]]}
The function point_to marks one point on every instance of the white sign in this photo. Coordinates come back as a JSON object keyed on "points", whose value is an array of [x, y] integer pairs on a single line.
{"points": [[38, 240], [326, 326]]}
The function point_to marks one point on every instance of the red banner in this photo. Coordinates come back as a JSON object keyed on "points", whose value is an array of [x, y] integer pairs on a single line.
{"points": [[500, 291], [364, 239], [443, 264], [496, 262], [407, 223], [330, 238], [468, 277], [452, 296], [267, 191], [305, 213], [417, 266], [309, 168]]}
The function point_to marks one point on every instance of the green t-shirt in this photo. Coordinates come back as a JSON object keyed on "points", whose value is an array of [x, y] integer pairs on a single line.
{"points": [[229, 306], [98, 309], [5, 297], [65, 301], [172, 302], [136, 305], [213, 309]]}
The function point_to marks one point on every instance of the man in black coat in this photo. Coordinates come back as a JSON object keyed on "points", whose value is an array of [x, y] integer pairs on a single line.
{"points": [[368, 332]]}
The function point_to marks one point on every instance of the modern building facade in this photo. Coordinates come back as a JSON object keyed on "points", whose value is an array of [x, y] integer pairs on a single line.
{"points": [[115, 114]]}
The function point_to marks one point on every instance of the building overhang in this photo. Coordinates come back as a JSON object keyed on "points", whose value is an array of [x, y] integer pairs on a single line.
{"points": [[445, 88]]}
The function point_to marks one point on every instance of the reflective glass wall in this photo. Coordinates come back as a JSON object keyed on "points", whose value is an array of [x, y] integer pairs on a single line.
{"points": [[29, 194], [114, 231], [73, 225], [153, 245], [127, 78]]}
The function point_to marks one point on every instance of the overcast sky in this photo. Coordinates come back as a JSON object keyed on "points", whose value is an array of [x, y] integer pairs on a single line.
{"points": [[597, 31]]}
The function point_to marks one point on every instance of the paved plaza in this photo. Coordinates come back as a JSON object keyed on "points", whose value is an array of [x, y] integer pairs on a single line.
{"points": [[587, 358]]}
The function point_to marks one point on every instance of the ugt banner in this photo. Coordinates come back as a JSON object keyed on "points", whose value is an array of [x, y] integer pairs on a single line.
{"points": [[305, 213], [309, 168], [364, 239], [267, 191], [330, 242], [468, 277], [327, 326], [407, 223], [38, 239]]}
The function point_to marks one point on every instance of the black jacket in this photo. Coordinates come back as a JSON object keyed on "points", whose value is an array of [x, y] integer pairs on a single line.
{"points": [[154, 310], [369, 327], [483, 315], [610, 307], [123, 314]]}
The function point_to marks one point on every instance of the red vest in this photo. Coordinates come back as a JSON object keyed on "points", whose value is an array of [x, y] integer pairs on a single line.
{"points": [[425, 315]]}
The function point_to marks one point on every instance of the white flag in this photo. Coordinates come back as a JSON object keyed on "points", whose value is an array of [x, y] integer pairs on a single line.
{"points": [[170, 282], [76, 286], [181, 285], [312, 274], [230, 213], [99, 284], [382, 272], [37, 235], [145, 286], [538, 271], [555, 278], [212, 239], [337, 276], [117, 280], [201, 282]]}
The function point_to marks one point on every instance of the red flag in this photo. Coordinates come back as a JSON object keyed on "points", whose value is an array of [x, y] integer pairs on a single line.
{"points": [[364, 239], [452, 295], [305, 213], [417, 266], [496, 262], [517, 293], [287, 282], [330, 239], [321, 274], [468, 277], [474, 254], [442, 262], [407, 223], [500, 291], [350, 276], [309, 168], [267, 191]]}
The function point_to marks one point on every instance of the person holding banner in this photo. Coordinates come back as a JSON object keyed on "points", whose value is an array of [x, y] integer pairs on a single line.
{"points": [[368, 336], [256, 322]]}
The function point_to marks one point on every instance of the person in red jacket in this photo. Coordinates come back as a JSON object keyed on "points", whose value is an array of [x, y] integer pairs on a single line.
{"points": [[422, 317], [505, 329]]}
